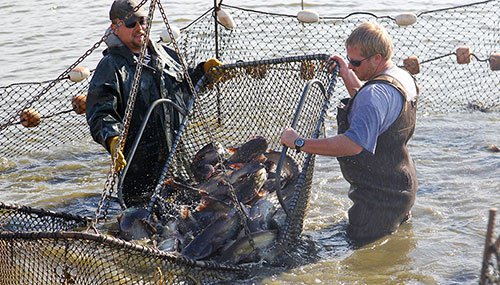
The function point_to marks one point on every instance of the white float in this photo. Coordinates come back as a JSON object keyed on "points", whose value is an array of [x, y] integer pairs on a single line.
{"points": [[79, 73], [225, 19], [406, 19], [165, 36], [308, 16]]}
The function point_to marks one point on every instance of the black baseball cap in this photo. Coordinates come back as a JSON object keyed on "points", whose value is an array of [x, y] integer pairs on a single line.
{"points": [[121, 8]]}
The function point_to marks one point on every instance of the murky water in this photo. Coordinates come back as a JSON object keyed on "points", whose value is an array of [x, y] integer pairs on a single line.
{"points": [[459, 179]]}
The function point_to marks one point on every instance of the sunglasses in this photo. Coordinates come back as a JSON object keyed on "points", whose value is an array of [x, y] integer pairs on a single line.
{"points": [[131, 22], [357, 63]]}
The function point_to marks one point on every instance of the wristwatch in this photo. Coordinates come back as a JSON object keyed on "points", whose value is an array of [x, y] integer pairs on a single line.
{"points": [[299, 143]]}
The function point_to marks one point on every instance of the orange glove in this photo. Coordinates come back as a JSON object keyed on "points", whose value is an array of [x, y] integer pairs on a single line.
{"points": [[209, 64], [217, 75], [120, 161]]}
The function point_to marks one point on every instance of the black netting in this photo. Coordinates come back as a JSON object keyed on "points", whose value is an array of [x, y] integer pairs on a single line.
{"points": [[234, 104], [446, 85]]}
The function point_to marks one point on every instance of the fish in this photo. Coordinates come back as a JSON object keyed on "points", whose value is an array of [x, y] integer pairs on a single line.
{"points": [[204, 161], [248, 180], [242, 251], [216, 186], [214, 228], [288, 176], [209, 154], [187, 224], [133, 224], [290, 170], [260, 216], [214, 236], [245, 179], [169, 239], [250, 150]]}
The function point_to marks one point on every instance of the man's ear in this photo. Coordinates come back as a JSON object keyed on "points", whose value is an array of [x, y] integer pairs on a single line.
{"points": [[378, 57]]}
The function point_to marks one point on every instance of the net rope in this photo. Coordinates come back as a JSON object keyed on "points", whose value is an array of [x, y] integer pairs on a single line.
{"points": [[446, 86]]}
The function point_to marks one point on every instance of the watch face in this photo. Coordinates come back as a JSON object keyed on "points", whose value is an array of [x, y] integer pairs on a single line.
{"points": [[299, 142]]}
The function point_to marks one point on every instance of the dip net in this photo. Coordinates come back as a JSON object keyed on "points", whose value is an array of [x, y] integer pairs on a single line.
{"points": [[234, 103], [272, 60]]}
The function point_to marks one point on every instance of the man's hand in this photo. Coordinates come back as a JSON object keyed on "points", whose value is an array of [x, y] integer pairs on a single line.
{"points": [[209, 64], [120, 159], [343, 66], [351, 80], [288, 137], [217, 75]]}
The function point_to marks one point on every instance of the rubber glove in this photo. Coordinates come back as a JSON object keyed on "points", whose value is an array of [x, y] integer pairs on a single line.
{"points": [[217, 75], [213, 62], [120, 159]]}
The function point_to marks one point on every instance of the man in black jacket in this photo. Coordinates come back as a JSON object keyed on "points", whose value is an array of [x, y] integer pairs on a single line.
{"points": [[109, 91]]}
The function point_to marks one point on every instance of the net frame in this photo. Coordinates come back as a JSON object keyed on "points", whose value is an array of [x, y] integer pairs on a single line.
{"points": [[49, 247]]}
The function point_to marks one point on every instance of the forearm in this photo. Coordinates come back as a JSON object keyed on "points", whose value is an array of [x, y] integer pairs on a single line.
{"points": [[103, 120], [351, 82], [338, 145]]}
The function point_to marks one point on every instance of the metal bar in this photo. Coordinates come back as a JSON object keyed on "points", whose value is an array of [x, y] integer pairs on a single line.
{"points": [[138, 138], [487, 245]]}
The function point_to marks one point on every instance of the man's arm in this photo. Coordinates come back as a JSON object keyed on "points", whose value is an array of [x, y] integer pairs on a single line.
{"points": [[339, 145], [351, 81], [101, 107]]}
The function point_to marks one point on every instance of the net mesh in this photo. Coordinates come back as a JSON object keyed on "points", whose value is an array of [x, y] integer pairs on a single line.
{"points": [[445, 85], [257, 96], [229, 110]]}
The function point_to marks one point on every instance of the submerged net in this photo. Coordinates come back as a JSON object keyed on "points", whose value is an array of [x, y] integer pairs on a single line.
{"points": [[34, 251], [257, 97]]}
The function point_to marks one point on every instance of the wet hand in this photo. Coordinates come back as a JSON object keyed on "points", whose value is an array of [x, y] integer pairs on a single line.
{"points": [[117, 154], [343, 66], [288, 137]]}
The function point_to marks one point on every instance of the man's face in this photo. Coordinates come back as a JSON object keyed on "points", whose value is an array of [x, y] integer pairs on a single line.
{"points": [[131, 32], [363, 66]]}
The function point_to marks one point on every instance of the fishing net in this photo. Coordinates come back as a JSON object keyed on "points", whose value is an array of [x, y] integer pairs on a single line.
{"points": [[43, 247], [272, 57], [434, 39], [234, 104]]}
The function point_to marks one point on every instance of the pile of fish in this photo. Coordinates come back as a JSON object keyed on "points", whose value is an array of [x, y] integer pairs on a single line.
{"points": [[236, 216]]}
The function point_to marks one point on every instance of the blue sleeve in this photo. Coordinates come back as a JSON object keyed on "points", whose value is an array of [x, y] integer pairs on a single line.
{"points": [[374, 110]]}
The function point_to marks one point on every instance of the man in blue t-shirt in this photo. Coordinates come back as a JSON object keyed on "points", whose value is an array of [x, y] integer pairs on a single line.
{"points": [[374, 126]]}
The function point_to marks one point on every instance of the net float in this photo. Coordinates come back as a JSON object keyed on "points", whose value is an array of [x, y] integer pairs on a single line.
{"points": [[463, 55], [308, 16], [406, 19], [165, 36], [79, 73], [79, 103], [495, 61], [30, 118], [225, 19], [412, 65]]}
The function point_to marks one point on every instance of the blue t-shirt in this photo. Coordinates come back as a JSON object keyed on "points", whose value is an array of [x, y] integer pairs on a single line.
{"points": [[374, 110]]}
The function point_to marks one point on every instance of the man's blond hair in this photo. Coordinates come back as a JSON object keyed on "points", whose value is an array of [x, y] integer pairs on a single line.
{"points": [[371, 39]]}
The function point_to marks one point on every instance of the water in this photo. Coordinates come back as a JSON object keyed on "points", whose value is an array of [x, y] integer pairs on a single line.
{"points": [[458, 178]]}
